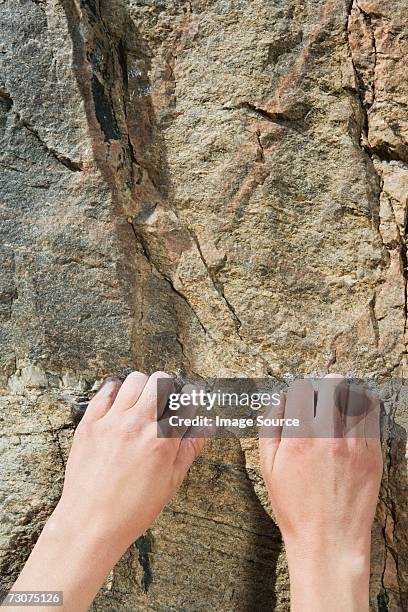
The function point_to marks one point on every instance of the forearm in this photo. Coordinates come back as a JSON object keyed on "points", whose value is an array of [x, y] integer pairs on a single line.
{"points": [[118, 478], [330, 578], [71, 558]]}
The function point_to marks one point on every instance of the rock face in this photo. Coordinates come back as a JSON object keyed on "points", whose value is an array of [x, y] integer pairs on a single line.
{"points": [[213, 187]]}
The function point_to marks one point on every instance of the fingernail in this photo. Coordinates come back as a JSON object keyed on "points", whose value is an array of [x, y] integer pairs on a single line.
{"points": [[108, 386]]}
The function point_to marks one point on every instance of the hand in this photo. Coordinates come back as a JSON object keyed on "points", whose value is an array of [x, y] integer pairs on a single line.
{"points": [[119, 476], [323, 491]]}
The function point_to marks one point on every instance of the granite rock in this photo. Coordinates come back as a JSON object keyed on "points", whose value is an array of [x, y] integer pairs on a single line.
{"points": [[213, 188]]}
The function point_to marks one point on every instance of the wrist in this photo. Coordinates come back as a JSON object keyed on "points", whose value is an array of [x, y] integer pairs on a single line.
{"points": [[328, 575], [70, 556], [89, 537]]}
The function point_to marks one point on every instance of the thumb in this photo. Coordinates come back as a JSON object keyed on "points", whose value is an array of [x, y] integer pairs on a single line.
{"points": [[188, 451]]}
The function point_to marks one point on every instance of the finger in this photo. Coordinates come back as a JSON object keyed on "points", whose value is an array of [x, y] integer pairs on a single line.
{"points": [[130, 391], [373, 416], [273, 417], [101, 403], [299, 406], [270, 435], [331, 407], [189, 450], [152, 401], [167, 429], [363, 413], [188, 409]]}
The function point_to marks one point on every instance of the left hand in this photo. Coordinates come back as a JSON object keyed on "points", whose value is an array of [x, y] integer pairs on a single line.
{"points": [[119, 474]]}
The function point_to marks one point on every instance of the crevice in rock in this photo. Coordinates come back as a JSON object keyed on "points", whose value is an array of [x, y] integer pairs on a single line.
{"points": [[210, 519], [122, 59], [140, 240], [384, 153], [392, 459], [181, 345], [6, 100], [374, 320], [180, 295], [10, 167], [261, 152], [141, 243], [104, 111], [62, 159], [145, 549], [368, 20], [404, 260], [54, 431], [358, 78], [273, 117], [40, 3], [382, 150], [145, 251], [370, 152], [98, 51], [217, 284]]}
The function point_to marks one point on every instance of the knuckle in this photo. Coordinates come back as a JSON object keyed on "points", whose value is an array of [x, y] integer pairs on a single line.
{"points": [[160, 374], [299, 446], [336, 447], [334, 375], [339, 449], [136, 376], [195, 445], [156, 446], [160, 448], [132, 423], [85, 429]]}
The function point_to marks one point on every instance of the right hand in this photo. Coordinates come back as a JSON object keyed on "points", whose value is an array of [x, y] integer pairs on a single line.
{"points": [[323, 491]]}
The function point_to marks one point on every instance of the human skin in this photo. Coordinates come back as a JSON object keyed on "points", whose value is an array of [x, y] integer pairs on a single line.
{"points": [[323, 491], [118, 478]]}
